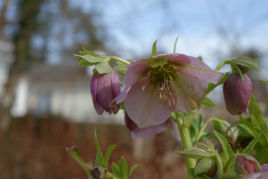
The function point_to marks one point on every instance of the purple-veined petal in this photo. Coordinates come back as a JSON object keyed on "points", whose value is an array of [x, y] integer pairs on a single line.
{"points": [[144, 106], [135, 71], [149, 131], [93, 90]]}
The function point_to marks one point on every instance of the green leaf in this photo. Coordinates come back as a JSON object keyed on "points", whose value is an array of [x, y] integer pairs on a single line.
{"points": [[154, 49], [264, 81], [132, 169], [237, 69], [212, 86], [175, 44], [221, 126], [250, 147], [247, 129], [219, 164], [123, 167], [208, 103], [255, 110], [73, 152], [226, 147], [107, 155], [99, 157], [203, 166], [84, 62], [90, 58], [86, 52], [245, 62], [196, 153], [116, 170], [103, 67], [121, 68], [195, 127]]}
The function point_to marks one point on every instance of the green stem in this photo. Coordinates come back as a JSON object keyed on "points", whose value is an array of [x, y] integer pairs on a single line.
{"points": [[187, 143], [220, 66], [120, 60]]}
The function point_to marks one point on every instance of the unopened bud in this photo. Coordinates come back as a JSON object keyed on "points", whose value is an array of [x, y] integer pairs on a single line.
{"points": [[237, 93]]}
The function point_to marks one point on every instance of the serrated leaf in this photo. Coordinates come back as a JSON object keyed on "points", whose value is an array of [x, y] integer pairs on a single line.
{"points": [[250, 147], [107, 155], [99, 156], [196, 153], [222, 79], [73, 152], [203, 166], [154, 49], [84, 62], [89, 58], [226, 147], [103, 68], [86, 52], [208, 103], [245, 62], [132, 169]]}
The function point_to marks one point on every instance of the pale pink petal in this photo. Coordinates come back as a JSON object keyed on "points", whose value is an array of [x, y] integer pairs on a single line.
{"points": [[135, 71], [179, 59], [189, 93], [144, 106], [93, 90], [199, 70], [150, 131]]}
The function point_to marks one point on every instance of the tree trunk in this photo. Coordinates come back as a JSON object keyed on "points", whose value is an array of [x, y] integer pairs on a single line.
{"points": [[27, 24]]}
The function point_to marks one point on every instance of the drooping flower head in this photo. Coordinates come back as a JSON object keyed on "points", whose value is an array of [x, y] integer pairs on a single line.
{"points": [[104, 88], [156, 86]]}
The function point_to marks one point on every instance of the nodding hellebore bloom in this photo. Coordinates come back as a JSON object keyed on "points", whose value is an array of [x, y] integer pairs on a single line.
{"points": [[104, 88], [237, 93], [152, 130], [156, 86]]}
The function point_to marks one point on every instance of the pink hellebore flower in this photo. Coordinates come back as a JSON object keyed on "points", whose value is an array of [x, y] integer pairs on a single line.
{"points": [[150, 131], [104, 88], [156, 86], [237, 93]]}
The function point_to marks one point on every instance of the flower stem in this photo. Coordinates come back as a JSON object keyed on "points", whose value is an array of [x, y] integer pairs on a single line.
{"points": [[119, 60], [187, 143]]}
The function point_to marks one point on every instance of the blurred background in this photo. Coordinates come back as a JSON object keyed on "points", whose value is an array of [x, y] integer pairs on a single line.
{"points": [[45, 102]]}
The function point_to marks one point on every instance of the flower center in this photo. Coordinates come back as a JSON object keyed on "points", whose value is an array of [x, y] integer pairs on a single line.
{"points": [[162, 76]]}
